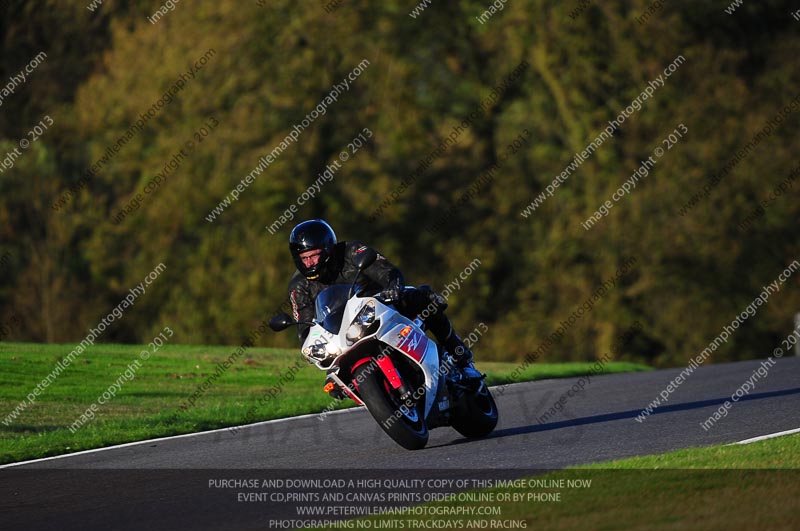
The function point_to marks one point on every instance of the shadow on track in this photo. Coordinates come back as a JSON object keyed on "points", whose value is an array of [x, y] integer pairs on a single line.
{"points": [[607, 417]]}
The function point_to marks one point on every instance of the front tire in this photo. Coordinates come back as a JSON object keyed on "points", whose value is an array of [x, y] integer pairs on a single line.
{"points": [[408, 428], [478, 414]]}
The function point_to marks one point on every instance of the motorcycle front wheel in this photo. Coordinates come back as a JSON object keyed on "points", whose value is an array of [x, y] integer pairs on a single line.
{"points": [[478, 414], [405, 425]]}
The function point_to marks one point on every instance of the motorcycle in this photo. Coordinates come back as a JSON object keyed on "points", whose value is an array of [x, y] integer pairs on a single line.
{"points": [[382, 360]]}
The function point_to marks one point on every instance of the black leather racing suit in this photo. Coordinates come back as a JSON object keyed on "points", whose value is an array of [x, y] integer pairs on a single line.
{"points": [[379, 276]]}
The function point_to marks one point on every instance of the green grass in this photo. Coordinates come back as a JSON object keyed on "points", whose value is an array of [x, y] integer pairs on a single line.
{"points": [[777, 453], [148, 406], [751, 486], [499, 373]]}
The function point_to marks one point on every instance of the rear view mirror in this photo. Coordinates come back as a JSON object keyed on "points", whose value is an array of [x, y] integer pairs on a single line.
{"points": [[363, 260], [282, 321], [366, 258]]}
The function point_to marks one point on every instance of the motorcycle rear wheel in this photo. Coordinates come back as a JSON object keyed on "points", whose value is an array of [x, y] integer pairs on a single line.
{"points": [[406, 429]]}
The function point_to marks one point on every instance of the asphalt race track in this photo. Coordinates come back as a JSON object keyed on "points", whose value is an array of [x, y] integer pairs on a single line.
{"points": [[165, 483]]}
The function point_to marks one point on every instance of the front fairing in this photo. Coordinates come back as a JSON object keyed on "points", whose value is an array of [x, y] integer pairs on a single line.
{"points": [[394, 331]]}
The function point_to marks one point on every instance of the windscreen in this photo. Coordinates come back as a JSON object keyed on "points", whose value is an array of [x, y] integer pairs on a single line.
{"points": [[330, 307]]}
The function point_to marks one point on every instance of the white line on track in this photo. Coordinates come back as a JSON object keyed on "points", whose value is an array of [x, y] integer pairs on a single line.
{"points": [[769, 436], [182, 436], [148, 441]]}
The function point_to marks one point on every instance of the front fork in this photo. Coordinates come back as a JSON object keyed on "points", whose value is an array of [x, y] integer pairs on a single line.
{"points": [[450, 388], [393, 376], [385, 364]]}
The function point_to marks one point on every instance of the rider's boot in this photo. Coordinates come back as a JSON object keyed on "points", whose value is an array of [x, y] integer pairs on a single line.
{"points": [[463, 357], [442, 328]]}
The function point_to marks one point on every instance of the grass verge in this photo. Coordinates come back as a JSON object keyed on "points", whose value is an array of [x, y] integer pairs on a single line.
{"points": [[753, 486], [148, 405]]}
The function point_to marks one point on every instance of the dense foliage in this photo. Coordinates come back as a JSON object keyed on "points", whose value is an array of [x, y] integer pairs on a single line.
{"points": [[66, 264]]}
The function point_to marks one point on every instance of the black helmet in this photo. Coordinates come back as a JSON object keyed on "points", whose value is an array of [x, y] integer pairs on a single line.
{"points": [[309, 235]]}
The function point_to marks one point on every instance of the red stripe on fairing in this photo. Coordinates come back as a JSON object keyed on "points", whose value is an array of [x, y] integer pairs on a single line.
{"points": [[416, 355], [415, 345]]}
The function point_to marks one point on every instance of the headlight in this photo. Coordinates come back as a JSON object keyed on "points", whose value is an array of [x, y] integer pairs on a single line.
{"points": [[316, 351], [364, 323]]}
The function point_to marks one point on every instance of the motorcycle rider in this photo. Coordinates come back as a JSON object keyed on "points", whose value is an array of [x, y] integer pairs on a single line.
{"points": [[322, 261]]}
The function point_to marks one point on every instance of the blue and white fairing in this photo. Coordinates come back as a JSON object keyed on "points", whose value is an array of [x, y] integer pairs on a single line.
{"points": [[328, 341]]}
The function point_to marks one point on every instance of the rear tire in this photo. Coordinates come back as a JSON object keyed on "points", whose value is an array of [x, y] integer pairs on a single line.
{"points": [[478, 415], [407, 429]]}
